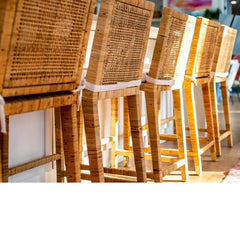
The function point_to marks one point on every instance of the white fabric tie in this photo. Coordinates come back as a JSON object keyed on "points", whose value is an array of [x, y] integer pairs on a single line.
{"points": [[111, 87], [221, 75], [80, 90], [155, 81], [2, 115]]}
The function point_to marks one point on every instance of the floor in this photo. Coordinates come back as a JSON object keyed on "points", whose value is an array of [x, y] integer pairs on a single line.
{"points": [[213, 171], [216, 171]]}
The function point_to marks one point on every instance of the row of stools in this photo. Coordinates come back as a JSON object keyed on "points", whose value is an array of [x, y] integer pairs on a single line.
{"points": [[41, 68]]}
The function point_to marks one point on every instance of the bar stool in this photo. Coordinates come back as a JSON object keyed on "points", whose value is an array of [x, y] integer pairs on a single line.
{"points": [[198, 73], [43, 46], [166, 74], [115, 70], [220, 68]]}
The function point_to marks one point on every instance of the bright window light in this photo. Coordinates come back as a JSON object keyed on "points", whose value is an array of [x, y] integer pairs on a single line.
{"points": [[233, 2]]}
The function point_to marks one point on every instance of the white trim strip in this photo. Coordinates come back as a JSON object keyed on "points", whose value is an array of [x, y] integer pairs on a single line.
{"points": [[221, 75], [80, 90], [111, 87], [155, 81], [2, 115]]}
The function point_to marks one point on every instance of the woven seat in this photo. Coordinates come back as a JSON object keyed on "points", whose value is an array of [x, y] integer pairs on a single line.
{"points": [[115, 70], [220, 68], [198, 73], [43, 46]]}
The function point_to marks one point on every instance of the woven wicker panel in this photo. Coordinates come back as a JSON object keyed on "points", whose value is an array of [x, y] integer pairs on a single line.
{"points": [[127, 38], [48, 37], [203, 47], [173, 45], [2, 11], [224, 49]]}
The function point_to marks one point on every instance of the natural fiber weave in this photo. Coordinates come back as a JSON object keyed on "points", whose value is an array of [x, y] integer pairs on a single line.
{"points": [[48, 42], [172, 46], [224, 49], [203, 47], [122, 55]]}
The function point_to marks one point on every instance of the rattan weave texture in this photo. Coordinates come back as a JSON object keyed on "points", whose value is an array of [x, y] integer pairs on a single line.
{"points": [[173, 46], [47, 44], [224, 49]]}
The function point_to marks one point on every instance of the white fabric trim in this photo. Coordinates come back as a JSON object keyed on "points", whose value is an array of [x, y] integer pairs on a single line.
{"points": [[221, 75], [80, 90], [111, 87], [155, 81], [2, 115]]}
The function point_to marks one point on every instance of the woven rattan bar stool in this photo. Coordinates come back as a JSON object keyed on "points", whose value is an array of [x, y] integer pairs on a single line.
{"points": [[166, 73], [198, 73], [220, 68], [115, 70], [43, 45]]}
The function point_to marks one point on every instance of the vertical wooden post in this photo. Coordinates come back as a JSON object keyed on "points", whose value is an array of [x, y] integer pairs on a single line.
{"points": [[126, 131], [180, 130], [70, 142], [137, 137], [5, 153], [215, 117], [193, 127], [226, 109], [59, 145], [153, 128], [92, 126], [209, 117], [114, 132]]}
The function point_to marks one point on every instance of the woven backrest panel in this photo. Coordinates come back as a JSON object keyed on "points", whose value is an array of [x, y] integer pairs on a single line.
{"points": [[172, 46], [120, 41], [2, 14], [203, 47], [224, 49], [48, 42]]}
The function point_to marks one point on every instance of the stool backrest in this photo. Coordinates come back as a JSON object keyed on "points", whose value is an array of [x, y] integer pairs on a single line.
{"points": [[172, 46], [43, 45], [224, 49], [203, 47], [120, 41]]}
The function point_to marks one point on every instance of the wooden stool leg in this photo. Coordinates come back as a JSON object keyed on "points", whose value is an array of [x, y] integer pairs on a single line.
{"points": [[59, 145], [114, 132], [137, 138], [180, 130], [209, 117], [92, 130], [4, 175], [153, 128], [70, 142], [215, 117], [126, 131], [80, 133], [193, 127], [226, 108]]}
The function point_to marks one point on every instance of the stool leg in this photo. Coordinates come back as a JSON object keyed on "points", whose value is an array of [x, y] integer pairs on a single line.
{"points": [[153, 128], [215, 117], [114, 119], [226, 108], [4, 175], [209, 117], [80, 133], [70, 142], [192, 120], [180, 130], [92, 130], [126, 131], [59, 145], [137, 138]]}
